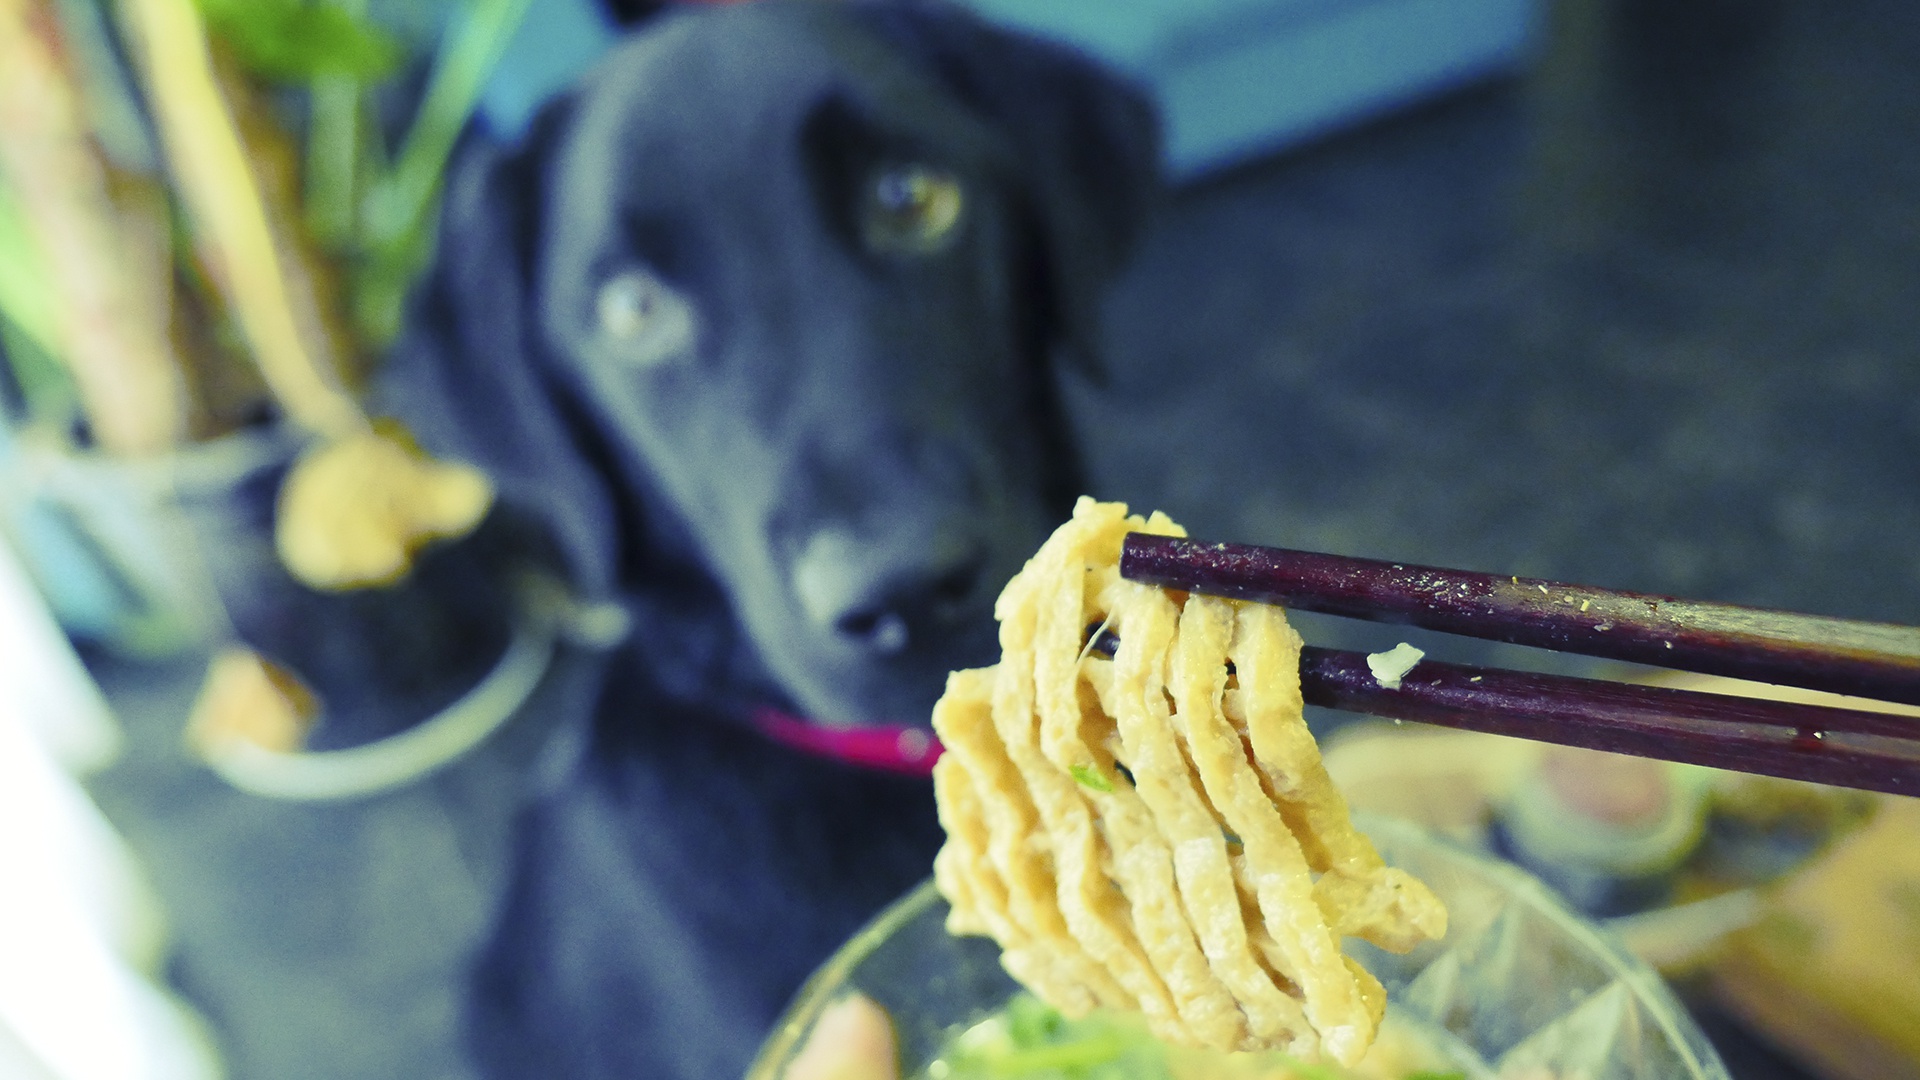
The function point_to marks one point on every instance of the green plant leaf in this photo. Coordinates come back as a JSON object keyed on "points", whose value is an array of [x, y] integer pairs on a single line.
{"points": [[287, 40]]}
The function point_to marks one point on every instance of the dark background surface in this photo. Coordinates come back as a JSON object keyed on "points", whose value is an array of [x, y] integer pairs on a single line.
{"points": [[1647, 317]]}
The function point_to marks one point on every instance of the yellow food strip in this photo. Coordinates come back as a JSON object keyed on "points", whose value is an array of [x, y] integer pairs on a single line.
{"points": [[1155, 830]]}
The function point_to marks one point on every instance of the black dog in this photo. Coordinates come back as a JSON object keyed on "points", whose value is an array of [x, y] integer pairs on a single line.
{"points": [[763, 325]]}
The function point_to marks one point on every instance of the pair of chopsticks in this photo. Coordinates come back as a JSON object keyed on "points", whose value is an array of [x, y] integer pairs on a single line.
{"points": [[1856, 748]]}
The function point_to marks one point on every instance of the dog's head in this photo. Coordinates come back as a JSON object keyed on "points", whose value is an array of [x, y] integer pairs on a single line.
{"points": [[777, 294]]}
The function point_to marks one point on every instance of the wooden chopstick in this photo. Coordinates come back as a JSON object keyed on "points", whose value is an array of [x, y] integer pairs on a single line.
{"points": [[1754, 735], [1849, 747], [1862, 659]]}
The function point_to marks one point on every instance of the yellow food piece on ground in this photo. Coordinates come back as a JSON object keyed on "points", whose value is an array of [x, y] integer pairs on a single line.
{"points": [[353, 512], [246, 698]]}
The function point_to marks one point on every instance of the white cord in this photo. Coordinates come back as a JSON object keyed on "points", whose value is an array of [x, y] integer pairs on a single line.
{"points": [[398, 760]]}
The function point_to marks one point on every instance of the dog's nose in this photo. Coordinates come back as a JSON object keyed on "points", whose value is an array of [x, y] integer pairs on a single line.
{"points": [[882, 597]]}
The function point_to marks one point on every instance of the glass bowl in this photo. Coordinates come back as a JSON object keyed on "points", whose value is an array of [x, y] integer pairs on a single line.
{"points": [[1520, 988]]}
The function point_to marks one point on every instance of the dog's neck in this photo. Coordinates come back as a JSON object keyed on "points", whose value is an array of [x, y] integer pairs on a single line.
{"points": [[684, 629]]}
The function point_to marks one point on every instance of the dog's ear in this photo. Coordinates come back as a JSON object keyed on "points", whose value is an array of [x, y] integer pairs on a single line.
{"points": [[1090, 141], [466, 375]]}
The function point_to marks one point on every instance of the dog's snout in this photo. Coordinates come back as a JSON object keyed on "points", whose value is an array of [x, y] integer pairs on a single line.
{"points": [[881, 597]]}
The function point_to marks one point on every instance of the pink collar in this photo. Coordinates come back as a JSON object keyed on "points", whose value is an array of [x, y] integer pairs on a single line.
{"points": [[888, 747]]}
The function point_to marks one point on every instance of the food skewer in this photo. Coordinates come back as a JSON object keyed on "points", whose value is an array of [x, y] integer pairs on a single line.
{"points": [[1848, 747]]}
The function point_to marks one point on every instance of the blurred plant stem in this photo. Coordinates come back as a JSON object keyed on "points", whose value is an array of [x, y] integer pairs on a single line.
{"points": [[249, 243], [91, 276], [29, 305], [333, 159], [397, 220]]}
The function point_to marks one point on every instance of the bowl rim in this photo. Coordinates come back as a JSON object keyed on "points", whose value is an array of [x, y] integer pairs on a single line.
{"points": [[797, 1019], [1637, 975]]}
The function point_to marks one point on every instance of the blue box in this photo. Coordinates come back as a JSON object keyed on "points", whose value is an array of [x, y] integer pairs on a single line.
{"points": [[1239, 78]]}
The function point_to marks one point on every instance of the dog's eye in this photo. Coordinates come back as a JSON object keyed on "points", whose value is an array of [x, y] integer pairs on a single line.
{"points": [[912, 210], [646, 318]]}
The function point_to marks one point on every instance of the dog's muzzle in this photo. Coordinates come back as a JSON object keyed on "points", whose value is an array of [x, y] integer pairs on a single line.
{"points": [[879, 599]]}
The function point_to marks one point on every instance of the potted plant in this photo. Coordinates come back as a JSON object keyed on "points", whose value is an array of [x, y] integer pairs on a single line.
{"points": [[189, 311]]}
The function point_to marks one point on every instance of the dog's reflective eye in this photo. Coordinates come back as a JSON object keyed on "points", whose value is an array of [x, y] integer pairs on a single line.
{"points": [[912, 210], [647, 319]]}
